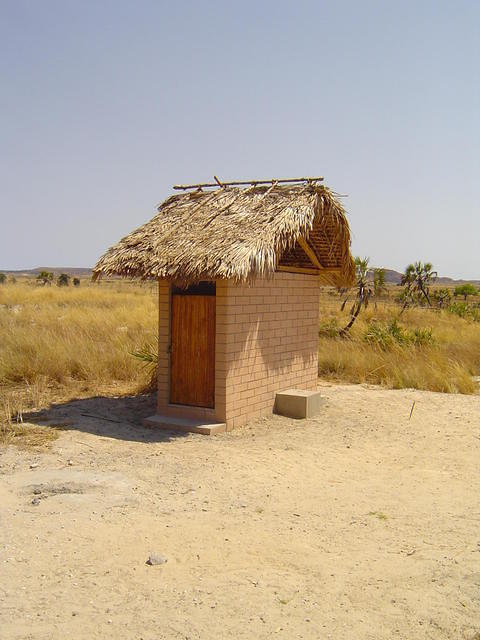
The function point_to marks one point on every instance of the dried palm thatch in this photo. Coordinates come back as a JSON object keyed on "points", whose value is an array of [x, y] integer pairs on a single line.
{"points": [[239, 234]]}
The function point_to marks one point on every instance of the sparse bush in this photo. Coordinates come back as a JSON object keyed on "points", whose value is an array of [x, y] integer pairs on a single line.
{"points": [[3, 278], [459, 309], [329, 329], [475, 314], [441, 298], [384, 335], [148, 356], [76, 282], [409, 298], [45, 278], [63, 280], [392, 333], [422, 337], [464, 310]]}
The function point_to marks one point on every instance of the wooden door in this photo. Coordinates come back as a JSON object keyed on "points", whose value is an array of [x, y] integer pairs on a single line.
{"points": [[192, 359]]}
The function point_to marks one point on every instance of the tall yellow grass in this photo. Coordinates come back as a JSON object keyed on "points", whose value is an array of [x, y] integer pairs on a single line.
{"points": [[65, 335], [448, 365]]}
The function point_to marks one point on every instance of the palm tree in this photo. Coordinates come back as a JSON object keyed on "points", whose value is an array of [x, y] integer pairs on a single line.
{"points": [[417, 280], [363, 292]]}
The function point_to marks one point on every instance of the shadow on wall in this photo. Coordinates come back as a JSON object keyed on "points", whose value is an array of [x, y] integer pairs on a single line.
{"points": [[119, 418], [273, 323]]}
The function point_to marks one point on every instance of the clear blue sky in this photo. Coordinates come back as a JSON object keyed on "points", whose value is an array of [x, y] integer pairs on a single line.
{"points": [[105, 104]]}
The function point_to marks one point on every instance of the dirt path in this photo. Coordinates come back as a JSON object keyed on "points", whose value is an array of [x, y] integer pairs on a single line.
{"points": [[359, 524]]}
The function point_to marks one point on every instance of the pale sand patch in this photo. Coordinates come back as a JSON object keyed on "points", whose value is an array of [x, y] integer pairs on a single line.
{"points": [[358, 524]]}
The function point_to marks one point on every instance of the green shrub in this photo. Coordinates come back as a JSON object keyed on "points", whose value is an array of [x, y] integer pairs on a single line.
{"points": [[63, 280], [442, 297], [459, 309], [475, 314], [422, 337], [392, 333], [328, 329], [464, 310]]}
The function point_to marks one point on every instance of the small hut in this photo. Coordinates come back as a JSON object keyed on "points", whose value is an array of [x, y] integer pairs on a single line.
{"points": [[239, 268]]}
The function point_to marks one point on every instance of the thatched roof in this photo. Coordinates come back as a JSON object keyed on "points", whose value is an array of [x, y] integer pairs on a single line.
{"points": [[240, 234]]}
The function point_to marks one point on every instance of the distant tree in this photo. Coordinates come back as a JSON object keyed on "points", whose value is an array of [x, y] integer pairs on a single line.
{"points": [[442, 297], [363, 292], [76, 282], [3, 278], [63, 280], [416, 282], [44, 278], [379, 285], [465, 290], [13, 279]]}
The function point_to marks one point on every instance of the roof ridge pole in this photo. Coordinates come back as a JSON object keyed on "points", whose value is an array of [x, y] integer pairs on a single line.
{"points": [[254, 183]]}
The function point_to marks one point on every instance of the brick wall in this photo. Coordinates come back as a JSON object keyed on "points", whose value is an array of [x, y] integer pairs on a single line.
{"points": [[266, 341]]}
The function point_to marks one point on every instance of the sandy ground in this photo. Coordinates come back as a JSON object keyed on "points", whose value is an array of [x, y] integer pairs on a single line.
{"points": [[358, 524]]}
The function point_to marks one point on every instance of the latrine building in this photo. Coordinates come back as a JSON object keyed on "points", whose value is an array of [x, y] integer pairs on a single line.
{"points": [[239, 269]]}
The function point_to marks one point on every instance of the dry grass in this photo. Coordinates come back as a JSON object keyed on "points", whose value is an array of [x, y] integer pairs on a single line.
{"points": [[26, 435], [13, 404], [447, 365], [65, 334], [62, 342]]}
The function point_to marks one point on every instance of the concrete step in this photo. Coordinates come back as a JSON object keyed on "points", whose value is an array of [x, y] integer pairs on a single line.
{"points": [[175, 423]]}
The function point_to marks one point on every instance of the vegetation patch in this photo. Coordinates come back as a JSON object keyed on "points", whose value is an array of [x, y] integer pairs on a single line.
{"points": [[420, 337], [387, 335], [378, 514], [13, 430]]}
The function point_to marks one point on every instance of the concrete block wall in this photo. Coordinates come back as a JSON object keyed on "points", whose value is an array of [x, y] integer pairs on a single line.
{"points": [[267, 341]]}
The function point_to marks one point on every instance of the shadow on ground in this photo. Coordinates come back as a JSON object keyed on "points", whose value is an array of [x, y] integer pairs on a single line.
{"points": [[110, 417]]}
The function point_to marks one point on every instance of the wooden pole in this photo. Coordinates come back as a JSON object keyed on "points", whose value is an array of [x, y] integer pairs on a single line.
{"points": [[310, 253], [217, 182]]}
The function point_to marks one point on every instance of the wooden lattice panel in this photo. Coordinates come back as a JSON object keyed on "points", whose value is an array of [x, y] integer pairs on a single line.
{"points": [[295, 257]]}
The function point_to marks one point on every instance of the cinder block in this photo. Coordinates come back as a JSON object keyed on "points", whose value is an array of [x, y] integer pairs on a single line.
{"points": [[297, 403]]}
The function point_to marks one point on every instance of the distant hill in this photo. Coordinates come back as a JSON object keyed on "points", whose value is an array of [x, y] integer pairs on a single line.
{"points": [[72, 271], [391, 276], [395, 277]]}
